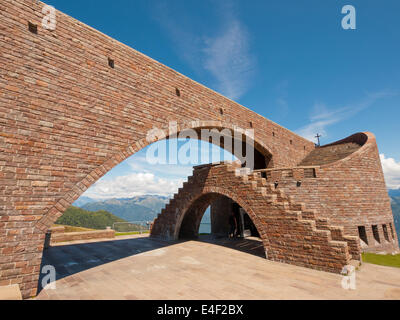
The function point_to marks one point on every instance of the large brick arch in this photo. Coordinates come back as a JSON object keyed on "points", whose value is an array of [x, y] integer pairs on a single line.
{"points": [[70, 196]]}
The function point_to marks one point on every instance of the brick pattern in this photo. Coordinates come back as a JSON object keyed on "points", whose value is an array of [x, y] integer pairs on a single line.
{"points": [[329, 154], [351, 192], [290, 233], [84, 235]]}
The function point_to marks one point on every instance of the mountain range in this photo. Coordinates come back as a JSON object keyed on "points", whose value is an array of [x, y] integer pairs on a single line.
{"points": [[139, 208], [395, 202]]}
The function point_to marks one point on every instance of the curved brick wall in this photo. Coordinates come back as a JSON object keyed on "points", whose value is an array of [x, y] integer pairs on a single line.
{"points": [[350, 192]]}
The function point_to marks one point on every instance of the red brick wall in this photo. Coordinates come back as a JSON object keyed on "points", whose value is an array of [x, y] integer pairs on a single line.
{"points": [[351, 193]]}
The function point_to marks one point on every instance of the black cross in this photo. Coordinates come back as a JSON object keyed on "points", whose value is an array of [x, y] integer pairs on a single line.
{"points": [[318, 136]]}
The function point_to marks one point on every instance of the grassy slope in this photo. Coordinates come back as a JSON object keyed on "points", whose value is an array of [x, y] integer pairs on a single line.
{"points": [[382, 259], [396, 214], [78, 217]]}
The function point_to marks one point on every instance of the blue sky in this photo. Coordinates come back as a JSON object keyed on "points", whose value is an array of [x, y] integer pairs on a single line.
{"points": [[290, 61]]}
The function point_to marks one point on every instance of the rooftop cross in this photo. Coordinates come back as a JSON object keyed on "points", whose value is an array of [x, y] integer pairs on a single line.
{"points": [[318, 136]]}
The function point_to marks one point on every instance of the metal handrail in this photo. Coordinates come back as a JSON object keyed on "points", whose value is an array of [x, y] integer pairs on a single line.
{"points": [[140, 224]]}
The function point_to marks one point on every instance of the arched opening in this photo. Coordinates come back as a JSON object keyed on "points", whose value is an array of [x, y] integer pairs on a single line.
{"points": [[222, 208], [238, 149], [212, 132], [190, 225], [239, 144], [231, 225]]}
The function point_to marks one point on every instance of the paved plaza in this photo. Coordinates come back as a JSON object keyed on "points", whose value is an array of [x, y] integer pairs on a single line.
{"points": [[143, 268]]}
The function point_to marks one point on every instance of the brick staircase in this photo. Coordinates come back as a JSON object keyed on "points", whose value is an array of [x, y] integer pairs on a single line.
{"points": [[163, 219], [290, 232], [330, 153], [304, 215]]}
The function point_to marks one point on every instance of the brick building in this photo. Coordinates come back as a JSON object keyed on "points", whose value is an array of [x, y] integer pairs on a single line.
{"points": [[74, 103]]}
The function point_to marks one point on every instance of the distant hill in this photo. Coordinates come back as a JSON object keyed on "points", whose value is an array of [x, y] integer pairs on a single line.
{"points": [[394, 193], [82, 201], [78, 217], [156, 203], [396, 213], [140, 208]]}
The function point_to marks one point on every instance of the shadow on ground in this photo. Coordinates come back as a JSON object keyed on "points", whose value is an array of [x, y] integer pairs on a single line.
{"points": [[75, 258], [251, 245], [70, 259]]}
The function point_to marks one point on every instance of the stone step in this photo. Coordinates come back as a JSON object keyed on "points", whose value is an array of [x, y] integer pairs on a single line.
{"points": [[355, 263]]}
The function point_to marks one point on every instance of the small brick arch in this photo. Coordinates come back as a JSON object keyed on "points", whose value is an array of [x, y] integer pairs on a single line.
{"points": [[198, 204], [190, 223], [191, 218], [201, 189]]}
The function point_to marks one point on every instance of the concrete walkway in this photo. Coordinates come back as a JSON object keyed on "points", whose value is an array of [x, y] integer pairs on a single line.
{"points": [[143, 268]]}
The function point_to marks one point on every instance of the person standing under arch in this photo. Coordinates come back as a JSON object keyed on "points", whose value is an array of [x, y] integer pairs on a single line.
{"points": [[233, 225]]}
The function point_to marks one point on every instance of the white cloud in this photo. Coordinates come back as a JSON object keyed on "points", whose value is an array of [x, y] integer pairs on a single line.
{"points": [[319, 125], [228, 58], [131, 185], [202, 152], [391, 170], [141, 177], [224, 52], [141, 165], [323, 117]]}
